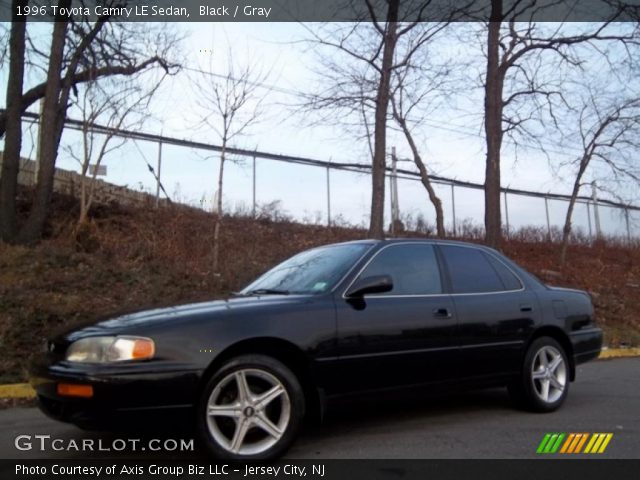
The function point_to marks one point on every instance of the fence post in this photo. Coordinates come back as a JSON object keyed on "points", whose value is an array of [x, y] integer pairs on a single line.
{"points": [[626, 218], [546, 208], [453, 208], [158, 174], [329, 195], [253, 185], [506, 212]]}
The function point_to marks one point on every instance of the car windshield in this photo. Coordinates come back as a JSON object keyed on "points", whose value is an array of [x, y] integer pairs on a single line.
{"points": [[314, 271]]}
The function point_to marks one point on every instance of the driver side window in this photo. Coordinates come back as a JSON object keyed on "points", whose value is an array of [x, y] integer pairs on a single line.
{"points": [[413, 268]]}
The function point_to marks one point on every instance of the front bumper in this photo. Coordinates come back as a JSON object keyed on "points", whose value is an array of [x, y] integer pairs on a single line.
{"points": [[123, 396], [587, 344]]}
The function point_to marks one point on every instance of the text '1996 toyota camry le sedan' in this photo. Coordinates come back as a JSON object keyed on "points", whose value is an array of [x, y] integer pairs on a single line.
{"points": [[339, 319]]}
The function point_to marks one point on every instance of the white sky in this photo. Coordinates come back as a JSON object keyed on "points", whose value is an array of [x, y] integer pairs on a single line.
{"points": [[451, 141]]}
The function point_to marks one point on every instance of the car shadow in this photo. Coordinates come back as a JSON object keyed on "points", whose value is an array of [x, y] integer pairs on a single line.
{"points": [[391, 409]]}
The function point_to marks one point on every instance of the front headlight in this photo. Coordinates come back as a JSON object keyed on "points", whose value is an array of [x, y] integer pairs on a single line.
{"points": [[110, 349]]}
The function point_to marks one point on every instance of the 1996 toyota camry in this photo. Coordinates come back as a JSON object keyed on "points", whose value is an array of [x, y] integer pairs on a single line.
{"points": [[344, 318]]}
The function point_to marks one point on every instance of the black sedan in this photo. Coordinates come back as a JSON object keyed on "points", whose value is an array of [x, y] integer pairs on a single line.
{"points": [[339, 319]]}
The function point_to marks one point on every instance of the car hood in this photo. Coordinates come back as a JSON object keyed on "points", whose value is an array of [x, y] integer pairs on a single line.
{"points": [[127, 322]]}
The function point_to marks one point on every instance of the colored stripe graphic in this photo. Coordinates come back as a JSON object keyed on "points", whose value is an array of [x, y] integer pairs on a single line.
{"points": [[567, 442], [605, 443], [573, 443], [556, 446], [550, 443], [581, 443], [543, 443]]}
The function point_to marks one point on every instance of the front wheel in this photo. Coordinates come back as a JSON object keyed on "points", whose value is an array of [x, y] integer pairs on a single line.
{"points": [[251, 409], [544, 381]]}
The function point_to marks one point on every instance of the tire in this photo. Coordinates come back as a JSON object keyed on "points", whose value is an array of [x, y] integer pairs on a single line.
{"points": [[544, 380], [249, 424]]}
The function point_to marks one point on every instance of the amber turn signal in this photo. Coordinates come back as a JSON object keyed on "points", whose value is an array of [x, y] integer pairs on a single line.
{"points": [[73, 390], [143, 348]]}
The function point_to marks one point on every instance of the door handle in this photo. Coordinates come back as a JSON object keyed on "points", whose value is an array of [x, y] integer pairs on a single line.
{"points": [[526, 308], [442, 313]]}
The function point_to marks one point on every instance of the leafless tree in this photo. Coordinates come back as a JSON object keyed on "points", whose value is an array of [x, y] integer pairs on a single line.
{"points": [[13, 138], [230, 104], [609, 133], [412, 89], [359, 80], [80, 50], [4, 44], [513, 45], [114, 104]]}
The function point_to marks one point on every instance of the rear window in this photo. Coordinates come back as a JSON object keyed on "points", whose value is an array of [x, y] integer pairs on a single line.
{"points": [[509, 280], [472, 271]]}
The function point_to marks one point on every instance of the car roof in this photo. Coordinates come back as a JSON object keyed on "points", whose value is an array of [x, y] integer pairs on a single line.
{"points": [[388, 241]]}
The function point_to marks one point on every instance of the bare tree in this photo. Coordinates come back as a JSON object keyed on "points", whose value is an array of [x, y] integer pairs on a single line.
{"points": [[510, 44], [230, 104], [121, 104], [360, 80], [412, 89], [609, 132], [13, 138], [80, 50]]}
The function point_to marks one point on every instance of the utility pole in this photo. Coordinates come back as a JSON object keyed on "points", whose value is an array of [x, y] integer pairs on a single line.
{"points": [[506, 212], [254, 188], [589, 222], [453, 207], [546, 209], [626, 219], [596, 214], [329, 195], [37, 164], [158, 174], [395, 210]]}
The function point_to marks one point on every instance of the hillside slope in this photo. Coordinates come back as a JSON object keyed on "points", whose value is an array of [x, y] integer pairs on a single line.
{"points": [[133, 258]]}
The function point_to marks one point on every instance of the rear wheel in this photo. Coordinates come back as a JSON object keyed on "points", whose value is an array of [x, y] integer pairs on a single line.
{"points": [[251, 409], [544, 381]]}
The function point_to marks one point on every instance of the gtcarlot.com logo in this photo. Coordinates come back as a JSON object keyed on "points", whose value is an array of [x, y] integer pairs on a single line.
{"points": [[45, 443], [571, 443]]}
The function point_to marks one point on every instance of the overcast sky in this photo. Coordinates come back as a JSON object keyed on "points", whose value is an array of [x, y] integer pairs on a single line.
{"points": [[450, 138]]}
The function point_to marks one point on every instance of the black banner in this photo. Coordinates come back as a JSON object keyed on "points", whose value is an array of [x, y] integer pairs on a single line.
{"points": [[325, 10], [583, 469]]}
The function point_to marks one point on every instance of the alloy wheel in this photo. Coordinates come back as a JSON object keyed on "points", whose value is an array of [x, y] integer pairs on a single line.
{"points": [[248, 411], [549, 374]]}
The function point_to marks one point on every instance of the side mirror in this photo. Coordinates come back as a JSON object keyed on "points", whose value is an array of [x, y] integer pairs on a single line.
{"points": [[373, 284]]}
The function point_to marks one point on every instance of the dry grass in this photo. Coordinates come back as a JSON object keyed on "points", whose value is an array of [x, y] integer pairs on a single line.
{"points": [[129, 259]]}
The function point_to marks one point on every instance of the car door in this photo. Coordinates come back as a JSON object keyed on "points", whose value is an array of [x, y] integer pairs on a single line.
{"points": [[401, 337], [496, 314]]}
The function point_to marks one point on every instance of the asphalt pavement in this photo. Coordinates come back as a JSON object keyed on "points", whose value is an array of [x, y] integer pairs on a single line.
{"points": [[476, 425]]}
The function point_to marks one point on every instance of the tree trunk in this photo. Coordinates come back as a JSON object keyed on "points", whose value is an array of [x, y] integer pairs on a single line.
{"points": [[53, 114], [424, 176], [376, 223], [493, 128], [566, 230], [13, 139], [218, 225]]}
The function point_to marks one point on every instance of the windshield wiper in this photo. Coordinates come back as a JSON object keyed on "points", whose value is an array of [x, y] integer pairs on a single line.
{"points": [[267, 291]]}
